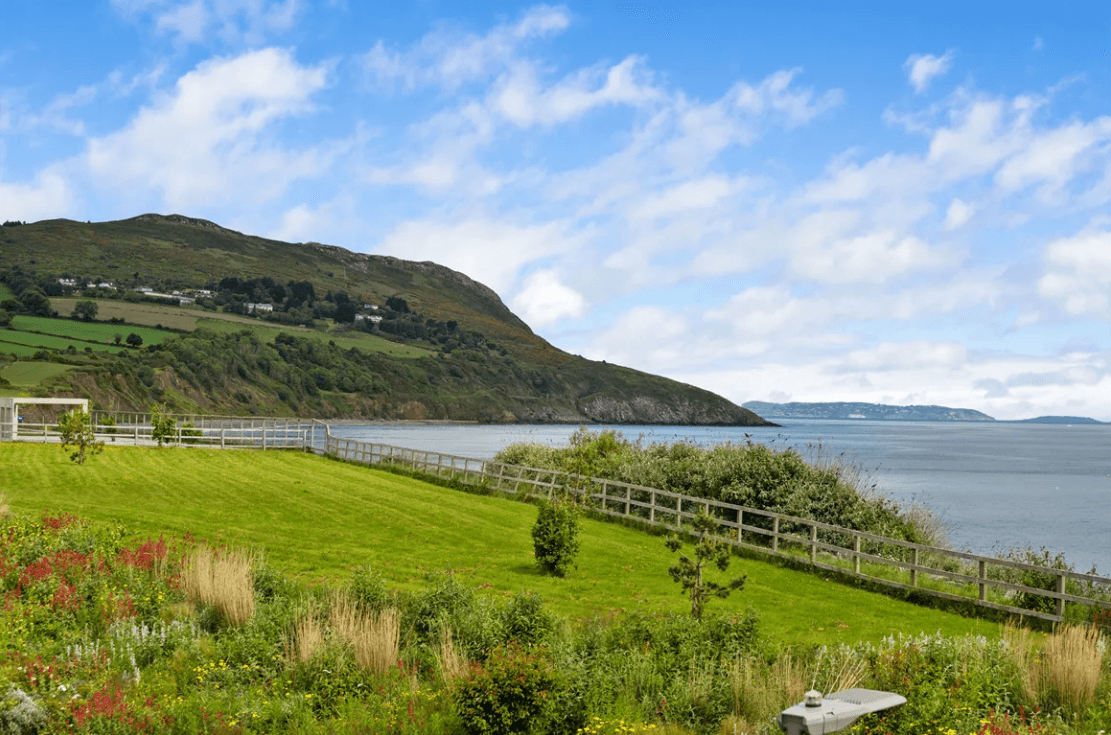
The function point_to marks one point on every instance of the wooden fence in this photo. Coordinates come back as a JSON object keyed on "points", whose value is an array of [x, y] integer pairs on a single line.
{"points": [[927, 570]]}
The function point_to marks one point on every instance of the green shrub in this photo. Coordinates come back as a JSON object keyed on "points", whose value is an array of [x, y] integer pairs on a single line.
{"points": [[369, 590], [525, 620], [555, 536], [512, 693]]}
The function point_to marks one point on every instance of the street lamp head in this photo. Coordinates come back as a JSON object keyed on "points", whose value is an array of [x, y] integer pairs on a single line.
{"points": [[818, 715]]}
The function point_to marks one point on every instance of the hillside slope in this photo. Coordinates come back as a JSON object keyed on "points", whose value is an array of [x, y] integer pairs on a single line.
{"points": [[469, 357]]}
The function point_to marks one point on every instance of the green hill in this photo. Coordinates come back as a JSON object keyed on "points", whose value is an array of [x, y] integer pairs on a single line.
{"points": [[350, 334]]}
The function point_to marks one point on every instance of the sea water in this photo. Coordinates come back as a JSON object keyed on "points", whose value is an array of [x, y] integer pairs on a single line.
{"points": [[996, 485]]}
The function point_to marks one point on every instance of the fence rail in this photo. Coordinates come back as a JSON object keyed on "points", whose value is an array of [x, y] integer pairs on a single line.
{"points": [[225, 432], [824, 546]]}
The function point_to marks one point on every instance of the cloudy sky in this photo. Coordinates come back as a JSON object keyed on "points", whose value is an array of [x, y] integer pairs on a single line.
{"points": [[893, 202]]}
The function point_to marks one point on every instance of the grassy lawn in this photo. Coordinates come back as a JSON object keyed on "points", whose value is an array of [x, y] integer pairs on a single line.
{"points": [[318, 519], [28, 374]]}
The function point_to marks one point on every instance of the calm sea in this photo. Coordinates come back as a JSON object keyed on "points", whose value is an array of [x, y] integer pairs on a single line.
{"points": [[996, 485]]}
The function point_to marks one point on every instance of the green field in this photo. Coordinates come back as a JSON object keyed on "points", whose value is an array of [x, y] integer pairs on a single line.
{"points": [[173, 317], [27, 374], [186, 319], [88, 331], [5, 292], [363, 341], [318, 519]]}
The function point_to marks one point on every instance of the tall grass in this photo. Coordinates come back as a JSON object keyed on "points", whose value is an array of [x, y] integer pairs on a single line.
{"points": [[452, 664], [305, 640], [222, 580], [761, 690], [374, 639], [1070, 668]]}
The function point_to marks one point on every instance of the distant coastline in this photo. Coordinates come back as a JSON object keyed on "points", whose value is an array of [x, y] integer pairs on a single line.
{"points": [[849, 410]]}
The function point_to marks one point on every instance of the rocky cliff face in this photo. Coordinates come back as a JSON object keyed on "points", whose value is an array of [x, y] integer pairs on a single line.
{"points": [[680, 412]]}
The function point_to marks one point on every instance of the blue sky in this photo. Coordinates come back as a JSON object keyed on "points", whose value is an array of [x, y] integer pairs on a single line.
{"points": [[886, 202]]}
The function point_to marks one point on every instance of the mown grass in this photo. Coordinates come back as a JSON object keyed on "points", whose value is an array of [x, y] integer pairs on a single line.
{"points": [[318, 519]]}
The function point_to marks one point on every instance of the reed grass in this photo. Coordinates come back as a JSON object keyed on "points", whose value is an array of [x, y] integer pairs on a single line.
{"points": [[374, 639], [837, 668], [452, 665], [1070, 668], [1021, 652], [760, 690], [222, 580], [305, 640]]}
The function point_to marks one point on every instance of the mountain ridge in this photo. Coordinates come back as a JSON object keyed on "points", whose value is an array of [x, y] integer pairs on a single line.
{"points": [[476, 359]]}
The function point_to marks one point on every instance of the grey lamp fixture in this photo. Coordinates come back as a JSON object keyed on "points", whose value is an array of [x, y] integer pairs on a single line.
{"points": [[818, 715]]}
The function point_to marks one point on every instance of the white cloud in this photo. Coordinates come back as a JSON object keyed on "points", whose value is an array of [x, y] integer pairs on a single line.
{"points": [[1003, 386], [205, 140], [544, 299], [489, 250], [195, 21], [49, 196], [451, 58], [874, 257], [1079, 273], [923, 68], [1055, 157], [520, 98], [958, 214], [696, 194]]}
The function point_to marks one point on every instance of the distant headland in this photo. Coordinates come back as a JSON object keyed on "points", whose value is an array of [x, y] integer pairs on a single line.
{"points": [[885, 412]]}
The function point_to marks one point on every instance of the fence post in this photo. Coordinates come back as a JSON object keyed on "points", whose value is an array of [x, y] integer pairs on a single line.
{"points": [[264, 438], [775, 533], [813, 543], [222, 430], [856, 554], [914, 572], [628, 494], [652, 509], [1060, 590], [983, 576]]}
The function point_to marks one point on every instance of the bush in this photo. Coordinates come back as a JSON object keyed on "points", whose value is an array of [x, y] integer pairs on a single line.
{"points": [[511, 694], [555, 536], [525, 620]]}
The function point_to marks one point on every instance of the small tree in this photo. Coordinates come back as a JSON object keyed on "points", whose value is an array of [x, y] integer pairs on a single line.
{"points": [[77, 432], [134, 340], [162, 425], [555, 535], [688, 572], [85, 310]]}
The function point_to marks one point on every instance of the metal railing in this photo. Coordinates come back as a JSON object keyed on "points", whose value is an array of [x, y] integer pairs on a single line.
{"points": [[225, 432]]}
